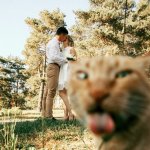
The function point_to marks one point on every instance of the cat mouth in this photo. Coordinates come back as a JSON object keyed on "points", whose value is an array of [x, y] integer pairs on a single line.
{"points": [[99, 121], [102, 122]]}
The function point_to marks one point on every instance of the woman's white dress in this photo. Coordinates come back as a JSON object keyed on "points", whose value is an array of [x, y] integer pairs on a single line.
{"points": [[63, 74]]}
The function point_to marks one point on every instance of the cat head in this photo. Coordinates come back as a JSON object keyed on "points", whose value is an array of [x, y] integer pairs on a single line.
{"points": [[109, 94]]}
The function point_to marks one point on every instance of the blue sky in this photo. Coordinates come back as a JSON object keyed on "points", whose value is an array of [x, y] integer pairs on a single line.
{"points": [[14, 31]]}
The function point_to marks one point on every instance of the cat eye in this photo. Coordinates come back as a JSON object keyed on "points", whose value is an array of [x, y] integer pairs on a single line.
{"points": [[82, 75], [123, 74]]}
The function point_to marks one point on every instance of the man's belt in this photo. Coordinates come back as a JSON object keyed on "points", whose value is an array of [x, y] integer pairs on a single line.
{"points": [[55, 64]]}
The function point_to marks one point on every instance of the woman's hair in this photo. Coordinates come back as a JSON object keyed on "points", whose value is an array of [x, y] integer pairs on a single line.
{"points": [[70, 41]]}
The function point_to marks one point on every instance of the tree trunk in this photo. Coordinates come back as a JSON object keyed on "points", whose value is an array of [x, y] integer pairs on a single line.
{"points": [[41, 93], [41, 96]]}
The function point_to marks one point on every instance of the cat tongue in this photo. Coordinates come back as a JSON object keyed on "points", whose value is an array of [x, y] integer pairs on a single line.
{"points": [[101, 124]]}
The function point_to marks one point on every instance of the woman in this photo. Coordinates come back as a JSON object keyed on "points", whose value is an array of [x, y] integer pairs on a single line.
{"points": [[70, 53]]}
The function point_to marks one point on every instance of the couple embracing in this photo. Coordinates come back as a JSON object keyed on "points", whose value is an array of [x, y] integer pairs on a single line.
{"points": [[58, 59]]}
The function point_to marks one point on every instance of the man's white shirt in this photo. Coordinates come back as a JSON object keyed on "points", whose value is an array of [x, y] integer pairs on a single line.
{"points": [[53, 53]]}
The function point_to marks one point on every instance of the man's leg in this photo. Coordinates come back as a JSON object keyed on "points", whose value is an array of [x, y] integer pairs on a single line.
{"points": [[52, 82]]}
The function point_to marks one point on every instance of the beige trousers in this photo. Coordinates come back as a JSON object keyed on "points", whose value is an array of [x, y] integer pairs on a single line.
{"points": [[50, 90]]}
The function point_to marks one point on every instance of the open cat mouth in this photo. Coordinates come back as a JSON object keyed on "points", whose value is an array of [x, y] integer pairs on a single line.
{"points": [[100, 122]]}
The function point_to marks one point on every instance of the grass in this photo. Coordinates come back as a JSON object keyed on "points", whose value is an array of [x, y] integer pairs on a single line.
{"points": [[48, 135]]}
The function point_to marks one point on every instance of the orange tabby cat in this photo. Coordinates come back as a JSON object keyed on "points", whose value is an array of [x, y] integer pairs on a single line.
{"points": [[112, 96]]}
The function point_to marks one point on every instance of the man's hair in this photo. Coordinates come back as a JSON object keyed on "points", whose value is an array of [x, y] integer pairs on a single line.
{"points": [[61, 30]]}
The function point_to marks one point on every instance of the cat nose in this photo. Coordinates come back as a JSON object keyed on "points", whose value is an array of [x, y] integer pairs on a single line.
{"points": [[98, 93], [95, 92]]}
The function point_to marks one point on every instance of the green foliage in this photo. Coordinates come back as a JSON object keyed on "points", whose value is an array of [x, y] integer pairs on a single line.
{"points": [[113, 27], [13, 88]]}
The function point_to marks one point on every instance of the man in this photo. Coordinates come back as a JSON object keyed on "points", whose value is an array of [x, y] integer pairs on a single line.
{"points": [[55, 59]]}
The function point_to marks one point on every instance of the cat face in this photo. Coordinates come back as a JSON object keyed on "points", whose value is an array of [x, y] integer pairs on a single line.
{"points": [[109, 94]]}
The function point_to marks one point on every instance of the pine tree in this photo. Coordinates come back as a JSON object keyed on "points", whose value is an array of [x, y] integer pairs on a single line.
{"points": [[5, 84], [13, 76], [139, 28], [113, 27]]}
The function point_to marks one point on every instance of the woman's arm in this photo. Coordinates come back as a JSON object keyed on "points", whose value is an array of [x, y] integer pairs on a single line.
{"points": [[73, 53]]}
